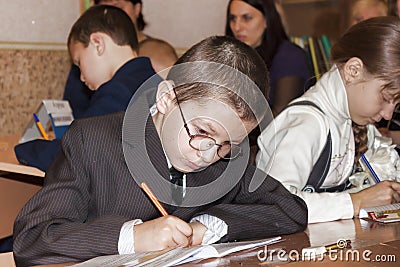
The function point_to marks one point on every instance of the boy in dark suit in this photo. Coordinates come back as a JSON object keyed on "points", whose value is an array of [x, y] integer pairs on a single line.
{"points": [[92, 204], [104, 40]]}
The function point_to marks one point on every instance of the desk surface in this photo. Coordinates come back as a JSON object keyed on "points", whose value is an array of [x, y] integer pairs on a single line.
{"points": [[9, 166], [18, 183], [372, 244]]}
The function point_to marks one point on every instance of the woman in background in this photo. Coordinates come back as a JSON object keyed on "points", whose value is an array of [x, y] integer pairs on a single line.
{"points": [[365, 9], [393, 7], [258, 24]]}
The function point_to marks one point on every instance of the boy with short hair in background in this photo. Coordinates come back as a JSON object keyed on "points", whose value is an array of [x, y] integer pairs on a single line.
{"points": [[103, 44]]}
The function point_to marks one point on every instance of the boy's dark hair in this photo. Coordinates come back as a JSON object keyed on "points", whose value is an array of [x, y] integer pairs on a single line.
{"points": [[110, 20], [224, 83], [140, 20]]}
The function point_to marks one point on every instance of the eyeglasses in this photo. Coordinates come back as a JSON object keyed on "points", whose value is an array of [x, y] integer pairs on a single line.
{"points": [[203, 142]]}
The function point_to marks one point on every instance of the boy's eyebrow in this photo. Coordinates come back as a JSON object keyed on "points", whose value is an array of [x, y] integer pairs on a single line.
{"points": [[213, 131], [208, 125]]}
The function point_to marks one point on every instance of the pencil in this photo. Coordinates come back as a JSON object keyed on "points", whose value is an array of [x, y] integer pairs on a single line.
{"points": [[153, 199], [40, 127], [377, 180]]}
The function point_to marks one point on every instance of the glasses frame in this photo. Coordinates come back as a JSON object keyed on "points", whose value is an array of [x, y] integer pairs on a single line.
{"points": [[193, 136]]}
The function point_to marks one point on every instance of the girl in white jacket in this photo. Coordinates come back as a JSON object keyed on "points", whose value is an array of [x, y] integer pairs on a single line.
{"points": [[362, 87]]}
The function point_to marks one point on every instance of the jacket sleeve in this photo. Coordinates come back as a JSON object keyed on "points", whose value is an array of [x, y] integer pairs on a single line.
{"points": [[270, 210], [37, 153], [54, 226]]}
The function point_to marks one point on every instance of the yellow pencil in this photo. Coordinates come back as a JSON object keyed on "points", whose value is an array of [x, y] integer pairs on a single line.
{"points": [[40, 127], [153, 198]]}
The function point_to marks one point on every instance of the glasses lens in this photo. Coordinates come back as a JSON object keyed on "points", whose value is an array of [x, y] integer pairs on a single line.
{"points": [[202, 143], [225, 151], [229, 151]]}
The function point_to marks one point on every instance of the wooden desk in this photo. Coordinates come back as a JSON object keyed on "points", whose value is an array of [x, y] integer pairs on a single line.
{"points": [[18, 184], [9, 166], [375, 240]]}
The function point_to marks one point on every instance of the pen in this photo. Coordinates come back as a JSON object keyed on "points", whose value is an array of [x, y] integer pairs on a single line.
{"points": [[377, 180], [313, 252], [39, 125], [342, 243], [153, 199]]}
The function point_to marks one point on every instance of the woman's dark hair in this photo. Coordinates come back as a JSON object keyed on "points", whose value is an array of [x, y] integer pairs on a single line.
{"points": [[392, 5], [140, 23], [274, 34]]}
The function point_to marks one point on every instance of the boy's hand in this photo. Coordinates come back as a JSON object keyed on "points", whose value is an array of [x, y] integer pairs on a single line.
{"points": [[198, 232], [162, 233], [383, 193]]}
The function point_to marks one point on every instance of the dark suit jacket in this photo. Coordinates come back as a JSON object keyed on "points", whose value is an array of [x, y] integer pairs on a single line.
{"points": [[89, 194]]}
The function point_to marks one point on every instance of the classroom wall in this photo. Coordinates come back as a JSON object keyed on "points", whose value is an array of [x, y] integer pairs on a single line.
{"points": [[184, 22], [35, 61], [26, 77], [37, 21], [33, 56]]}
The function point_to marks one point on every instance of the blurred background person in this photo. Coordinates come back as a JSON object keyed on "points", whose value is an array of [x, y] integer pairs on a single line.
{"points": [[76, 92], [394, 6], [162, 55], [282, 14], [365, 9], [258, 24]]}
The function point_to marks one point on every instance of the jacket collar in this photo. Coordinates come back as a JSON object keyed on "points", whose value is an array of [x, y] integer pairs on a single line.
{"points": [[329, 93]]}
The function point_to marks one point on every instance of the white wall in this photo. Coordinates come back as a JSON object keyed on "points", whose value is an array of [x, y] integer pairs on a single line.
{"points": [[180, 22], [32, 21], [184, 22]]}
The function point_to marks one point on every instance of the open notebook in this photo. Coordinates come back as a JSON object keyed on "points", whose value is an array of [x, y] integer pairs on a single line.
{"points": [[177, 255], [385, 214]]}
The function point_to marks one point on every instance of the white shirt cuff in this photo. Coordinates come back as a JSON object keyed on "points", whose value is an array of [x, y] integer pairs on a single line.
{"points": [[126, 244], [216, 228]]}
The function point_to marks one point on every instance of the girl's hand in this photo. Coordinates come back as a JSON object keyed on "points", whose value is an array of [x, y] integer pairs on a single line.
{"points": [[162, 233], [383, 193]]}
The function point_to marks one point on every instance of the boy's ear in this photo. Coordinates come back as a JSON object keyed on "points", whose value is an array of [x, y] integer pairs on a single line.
{"points": [[97, 40], [353, 69], [165, 96]]}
